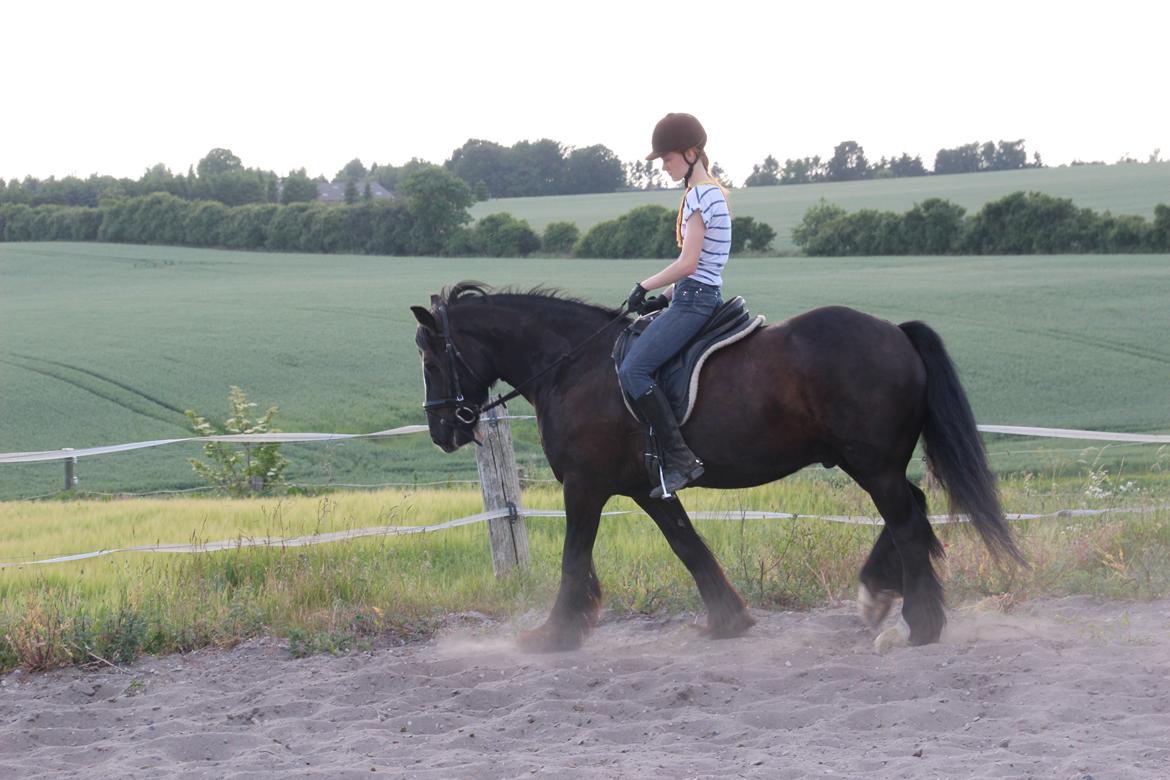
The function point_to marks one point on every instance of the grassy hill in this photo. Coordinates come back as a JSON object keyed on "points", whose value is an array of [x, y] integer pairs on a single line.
{"points": [[104, 344], [1123, 189]]}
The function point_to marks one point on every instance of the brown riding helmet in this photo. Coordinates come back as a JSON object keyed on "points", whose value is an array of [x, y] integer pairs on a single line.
{"points": [[676, 133]]}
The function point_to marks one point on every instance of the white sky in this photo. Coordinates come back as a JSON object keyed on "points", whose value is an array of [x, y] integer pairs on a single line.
{"points": [[116, 87]]}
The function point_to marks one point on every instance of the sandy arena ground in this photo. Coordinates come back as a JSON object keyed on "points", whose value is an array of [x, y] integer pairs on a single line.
{"points": [[1068, 688]]}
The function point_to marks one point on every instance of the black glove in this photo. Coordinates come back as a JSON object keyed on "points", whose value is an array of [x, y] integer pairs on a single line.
{"points": [[637, 295], [654, 303]]}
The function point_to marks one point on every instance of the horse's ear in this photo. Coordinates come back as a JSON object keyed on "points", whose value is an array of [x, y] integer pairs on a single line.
{"points": [[425, 318], [435, 301]]}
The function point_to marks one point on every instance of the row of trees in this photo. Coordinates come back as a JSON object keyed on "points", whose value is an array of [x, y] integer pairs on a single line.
{"points": [[430, 214], [849, 163], [1020, 223], [431, 220]]}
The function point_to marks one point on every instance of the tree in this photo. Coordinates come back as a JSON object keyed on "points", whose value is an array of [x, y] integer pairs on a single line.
{"points": [[907, 166], [592, 169], [438, 201], [298, 188], [720, 175], [961, 159], [254, 467], [643, 175], [351, 193], [480, 161], [353, 171], [765, 174], [848, 162], [803, 171], [218, 161]]}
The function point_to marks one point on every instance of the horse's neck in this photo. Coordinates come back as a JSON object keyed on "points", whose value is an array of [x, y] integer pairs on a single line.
{"points": [[528, 343]]}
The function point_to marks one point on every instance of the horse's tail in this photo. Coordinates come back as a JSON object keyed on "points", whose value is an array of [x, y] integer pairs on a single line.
{"points": [[954, 450]]}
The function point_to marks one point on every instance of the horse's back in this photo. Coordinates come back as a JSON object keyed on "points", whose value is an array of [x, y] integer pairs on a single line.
{"points": [[818, 381]]}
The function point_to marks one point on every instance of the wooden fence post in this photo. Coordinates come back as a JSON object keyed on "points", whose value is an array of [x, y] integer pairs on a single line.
{"points": [[70, 475], [501, 490]]}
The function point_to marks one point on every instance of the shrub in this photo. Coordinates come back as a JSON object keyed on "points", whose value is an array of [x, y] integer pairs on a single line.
{"points": [[647, 231], [249, 227], [933, 227], [239, 471], [559, 238], [1034, 223], [502, 235], [205, 223], [746, 233]]}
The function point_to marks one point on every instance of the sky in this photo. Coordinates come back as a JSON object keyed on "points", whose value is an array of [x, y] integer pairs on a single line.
{"points": [[116, 87]]}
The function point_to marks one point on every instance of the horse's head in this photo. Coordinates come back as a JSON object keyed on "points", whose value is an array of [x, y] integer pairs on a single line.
{"points": [[456, 377]]}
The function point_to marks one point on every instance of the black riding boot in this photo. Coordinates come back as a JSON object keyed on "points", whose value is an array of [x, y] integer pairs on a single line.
{"points": [[679, 465]]}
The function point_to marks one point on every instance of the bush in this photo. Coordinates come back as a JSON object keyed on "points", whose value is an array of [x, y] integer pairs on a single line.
{"points": [[559, 238], [746, 233], [814, 223], [933, 227], [502, 235], [1034, 223], [647, 231], [205, 223], [249, 227]]}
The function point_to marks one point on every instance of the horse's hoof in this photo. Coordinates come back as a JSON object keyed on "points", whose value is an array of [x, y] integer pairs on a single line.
{"points": [[550, 639], [873, 607], [727, 628], [897, 636]]}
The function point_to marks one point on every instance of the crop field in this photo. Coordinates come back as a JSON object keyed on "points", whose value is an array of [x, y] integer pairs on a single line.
{"points": [[1123, 189], [103, 344]]}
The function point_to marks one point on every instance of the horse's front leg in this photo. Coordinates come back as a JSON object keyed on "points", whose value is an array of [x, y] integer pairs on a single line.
{"points": [[578, 602], [727, 615]]}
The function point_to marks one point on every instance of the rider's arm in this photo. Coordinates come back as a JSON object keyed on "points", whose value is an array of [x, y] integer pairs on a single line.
{"points": [[688, 259]]}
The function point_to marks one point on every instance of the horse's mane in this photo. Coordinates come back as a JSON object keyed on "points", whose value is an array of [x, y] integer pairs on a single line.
{"points": [[477, 292]]}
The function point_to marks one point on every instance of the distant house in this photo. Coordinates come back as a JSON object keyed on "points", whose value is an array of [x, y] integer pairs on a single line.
{"points": [[328, 192]]}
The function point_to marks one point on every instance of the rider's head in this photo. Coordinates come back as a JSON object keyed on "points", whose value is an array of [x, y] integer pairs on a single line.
{"points": [[679, 141]]}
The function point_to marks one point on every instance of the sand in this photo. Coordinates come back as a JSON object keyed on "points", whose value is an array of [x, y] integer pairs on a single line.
{"points": [[1066, 688]]}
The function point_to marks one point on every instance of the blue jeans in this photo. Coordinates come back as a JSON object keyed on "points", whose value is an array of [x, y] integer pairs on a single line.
{"points": [[690, 308]]}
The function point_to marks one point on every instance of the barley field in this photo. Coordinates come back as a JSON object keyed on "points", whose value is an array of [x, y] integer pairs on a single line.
{"points": [[103, 344]]}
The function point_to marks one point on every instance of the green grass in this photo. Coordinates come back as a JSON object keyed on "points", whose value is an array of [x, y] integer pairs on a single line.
{"points": [[337, 596], [1123, 189], [104, 344]]}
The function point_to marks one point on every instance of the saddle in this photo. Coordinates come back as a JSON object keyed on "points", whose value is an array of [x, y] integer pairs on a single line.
{"points": [[679, 376]]}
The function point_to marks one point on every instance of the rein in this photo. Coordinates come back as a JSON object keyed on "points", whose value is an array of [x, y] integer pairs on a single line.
{"points": [[466, 413]]}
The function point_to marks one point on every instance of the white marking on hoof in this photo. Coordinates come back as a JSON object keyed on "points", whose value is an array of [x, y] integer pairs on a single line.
{"points": [[873, 607], [897, 636]]}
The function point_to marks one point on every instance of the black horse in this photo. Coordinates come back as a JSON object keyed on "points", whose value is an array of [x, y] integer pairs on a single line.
{"points": [[831, 386]]}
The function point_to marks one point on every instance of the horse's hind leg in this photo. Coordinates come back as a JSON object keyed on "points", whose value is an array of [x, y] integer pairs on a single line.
{"points": [[727, 615], [881, 576], [911, 539]]}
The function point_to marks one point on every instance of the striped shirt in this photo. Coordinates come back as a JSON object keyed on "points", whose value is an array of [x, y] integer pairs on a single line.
{"points": [[709, 201]]}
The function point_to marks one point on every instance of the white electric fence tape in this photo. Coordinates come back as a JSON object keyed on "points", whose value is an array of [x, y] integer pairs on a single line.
{"points": [[404, 530], [292, 438]]}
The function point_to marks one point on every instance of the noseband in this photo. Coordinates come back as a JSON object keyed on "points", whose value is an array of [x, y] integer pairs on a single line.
{"points": [[466, 413]]}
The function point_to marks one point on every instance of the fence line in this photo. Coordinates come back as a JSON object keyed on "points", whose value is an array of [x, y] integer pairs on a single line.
{"points": [[243, 542], [294, 438]]}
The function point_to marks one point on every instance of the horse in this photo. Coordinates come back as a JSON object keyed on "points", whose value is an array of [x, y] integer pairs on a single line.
{"points": [[832, 386]]}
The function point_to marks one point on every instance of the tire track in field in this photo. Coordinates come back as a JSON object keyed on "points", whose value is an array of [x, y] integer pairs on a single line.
{"points": [[128, 388], [1100, 342], [91, 390]]}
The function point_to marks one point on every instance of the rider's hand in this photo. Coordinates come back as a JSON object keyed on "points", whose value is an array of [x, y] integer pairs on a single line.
{"points": [[653, 303], [637, 295]]}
